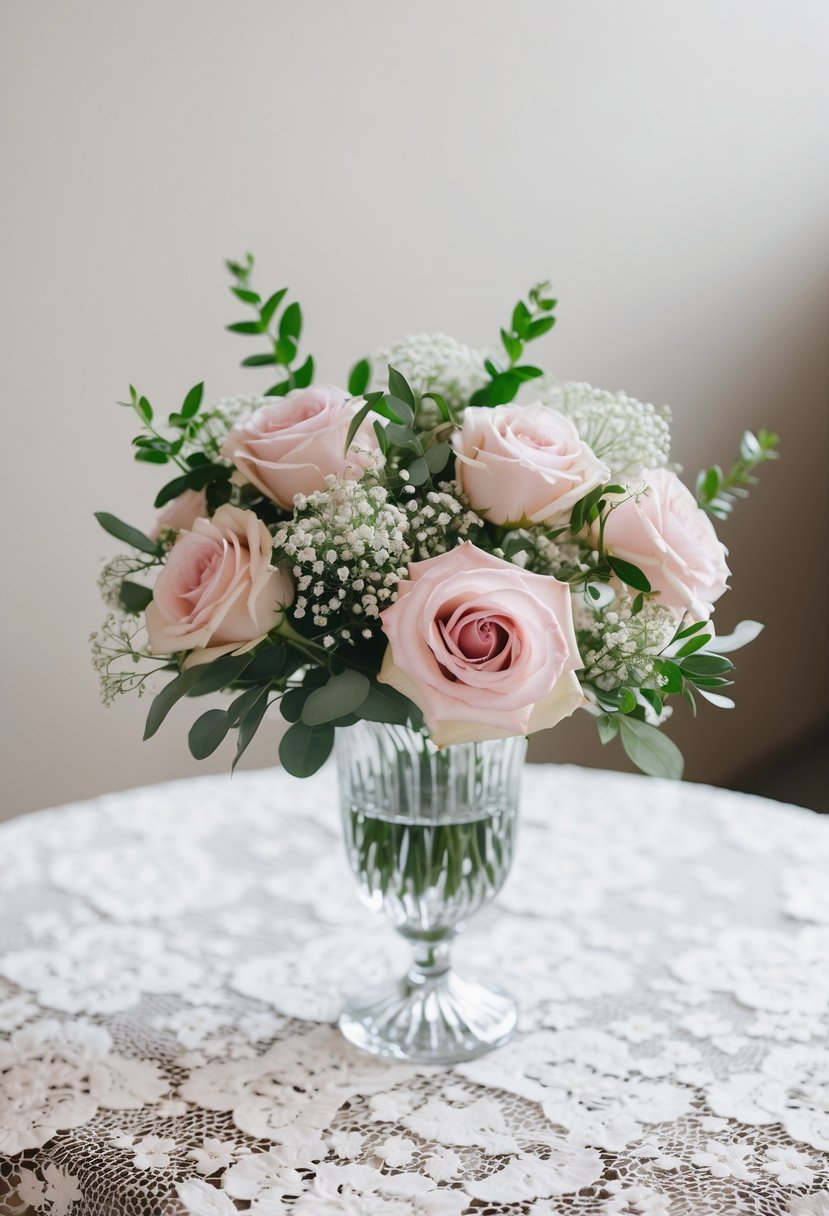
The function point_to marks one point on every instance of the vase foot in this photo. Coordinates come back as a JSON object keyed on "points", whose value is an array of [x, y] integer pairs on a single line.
{"points": [[436, 1020]]}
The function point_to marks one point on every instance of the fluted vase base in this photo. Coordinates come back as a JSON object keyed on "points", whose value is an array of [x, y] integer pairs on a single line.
{"points": [[429, 1020]]}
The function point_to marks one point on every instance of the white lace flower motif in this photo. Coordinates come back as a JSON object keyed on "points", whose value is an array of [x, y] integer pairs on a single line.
{"points": [[724, 1160], [59, 1190], [201, 1199], [213, 1155], [791, 1167]]}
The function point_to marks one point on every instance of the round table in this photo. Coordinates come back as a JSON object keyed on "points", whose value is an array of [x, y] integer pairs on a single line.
{"points": [[172, 960]]}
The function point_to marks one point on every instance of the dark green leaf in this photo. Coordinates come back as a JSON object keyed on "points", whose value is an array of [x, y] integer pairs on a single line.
{"points": [[686, 633], [446, 411], [267, 664], [653, 698], [526, 372], [270, 306], [354, 425], [402, 436], [249, 725], [134, 597], [359, 378], [512, 345], [166, 699], [240, 705], [144, 408], [290, 323], [343, 694], [399, 387], [305, 374], [198, 477], [259, 360], [629, 574], [638, 602], [693, 644], [503, 388], [396, 409], [247, 297], [706, 665], [651, 751], [207, 732], [304, 749], [521, 318], [192, 401], [130, 536], [385, 704], [672, 674], [221, 673], [278, 390], [246, 327], [291, 703], [151, 456]]}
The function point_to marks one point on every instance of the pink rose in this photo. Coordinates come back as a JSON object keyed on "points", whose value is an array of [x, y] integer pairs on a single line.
{"points": [[291, 444], [483, 648], [218, 591], [520, 464], [673, 542], [180, 513]]}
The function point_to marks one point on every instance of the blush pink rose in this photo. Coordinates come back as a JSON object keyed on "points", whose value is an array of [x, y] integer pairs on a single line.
{"points": [[673, 542], [291, 444], [520, 464], [218, 591], [485, 649], [180, 513]]}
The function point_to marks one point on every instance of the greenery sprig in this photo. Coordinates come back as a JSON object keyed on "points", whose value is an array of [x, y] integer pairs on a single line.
{"points": [[717, 491], [529, 321], [281, 329]]}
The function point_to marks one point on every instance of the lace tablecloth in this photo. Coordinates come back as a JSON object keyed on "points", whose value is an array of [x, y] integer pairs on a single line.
{"points": [[172, 960]]}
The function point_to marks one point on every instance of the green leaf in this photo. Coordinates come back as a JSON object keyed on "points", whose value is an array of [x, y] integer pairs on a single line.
{"points": [[245, 327], [343, 694], [290, 323], [192, 401], [690, 629], [446, 411], [130, 536], [521, 318], [694, 643], [304, 749], [270, 306], [291, 703], [151, 456], [197, 478], [512, 345], [207, 732], [385, 704], [608, 727], [249, 725], [502, 389], [418, 471], [399, 387], [240, 705], [278, 390], [627, 700], [539, 327], [396, 409], [166, 699], [653, 698], [247, 297], [629, 574], [284, 351], [705, 665], [267, 664], [144, 409], [305, 374], [402, 436], [356, 421], [651, 751], [638, 602], [220, 674], [259, 360], [437, 456], [134, 597], [673, 675], [359, 378], [526, 372]]}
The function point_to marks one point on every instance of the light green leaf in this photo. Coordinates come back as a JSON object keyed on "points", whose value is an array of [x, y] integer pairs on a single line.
{"points": [[651, 751]]}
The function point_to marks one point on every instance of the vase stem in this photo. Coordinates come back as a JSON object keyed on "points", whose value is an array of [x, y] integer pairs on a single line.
{"points": [[431, 959]]}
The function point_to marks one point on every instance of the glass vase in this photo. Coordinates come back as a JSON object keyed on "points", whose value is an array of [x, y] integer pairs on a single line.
{"points": [[430, 836]]}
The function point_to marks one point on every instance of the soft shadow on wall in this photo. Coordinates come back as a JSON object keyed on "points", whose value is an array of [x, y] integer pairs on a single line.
{"points": [[776, 742]]}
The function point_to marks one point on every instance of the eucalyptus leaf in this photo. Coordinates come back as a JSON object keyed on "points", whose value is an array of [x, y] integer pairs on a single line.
{"points": [[249, 725], [304, 749], [342, 694], [207, 732], [385, 704], [134, 597], [166, 699], [608, 727], [650, 750], [130, 536]]}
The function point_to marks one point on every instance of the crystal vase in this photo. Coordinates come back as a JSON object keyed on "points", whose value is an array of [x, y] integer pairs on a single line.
{"points": [[430, 836]]}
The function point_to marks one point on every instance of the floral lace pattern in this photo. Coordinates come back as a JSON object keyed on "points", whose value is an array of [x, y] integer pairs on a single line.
{"points": [[172, 960]]}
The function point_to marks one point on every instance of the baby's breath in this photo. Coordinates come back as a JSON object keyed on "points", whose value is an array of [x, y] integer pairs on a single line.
{"points": [[618, 646], [440, 520], [628, 435], [435, 363], [113, 573], [347, 546], [121, 663]]}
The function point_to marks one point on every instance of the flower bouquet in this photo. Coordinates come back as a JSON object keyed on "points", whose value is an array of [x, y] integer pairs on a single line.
{"points": [[453, 553]]}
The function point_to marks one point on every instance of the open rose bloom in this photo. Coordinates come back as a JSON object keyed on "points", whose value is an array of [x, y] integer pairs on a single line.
{"points": [[483, 648], [454, 544]]}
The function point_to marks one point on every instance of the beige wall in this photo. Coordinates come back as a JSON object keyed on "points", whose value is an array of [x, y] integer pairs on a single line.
{"points": [[404, 167]]}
